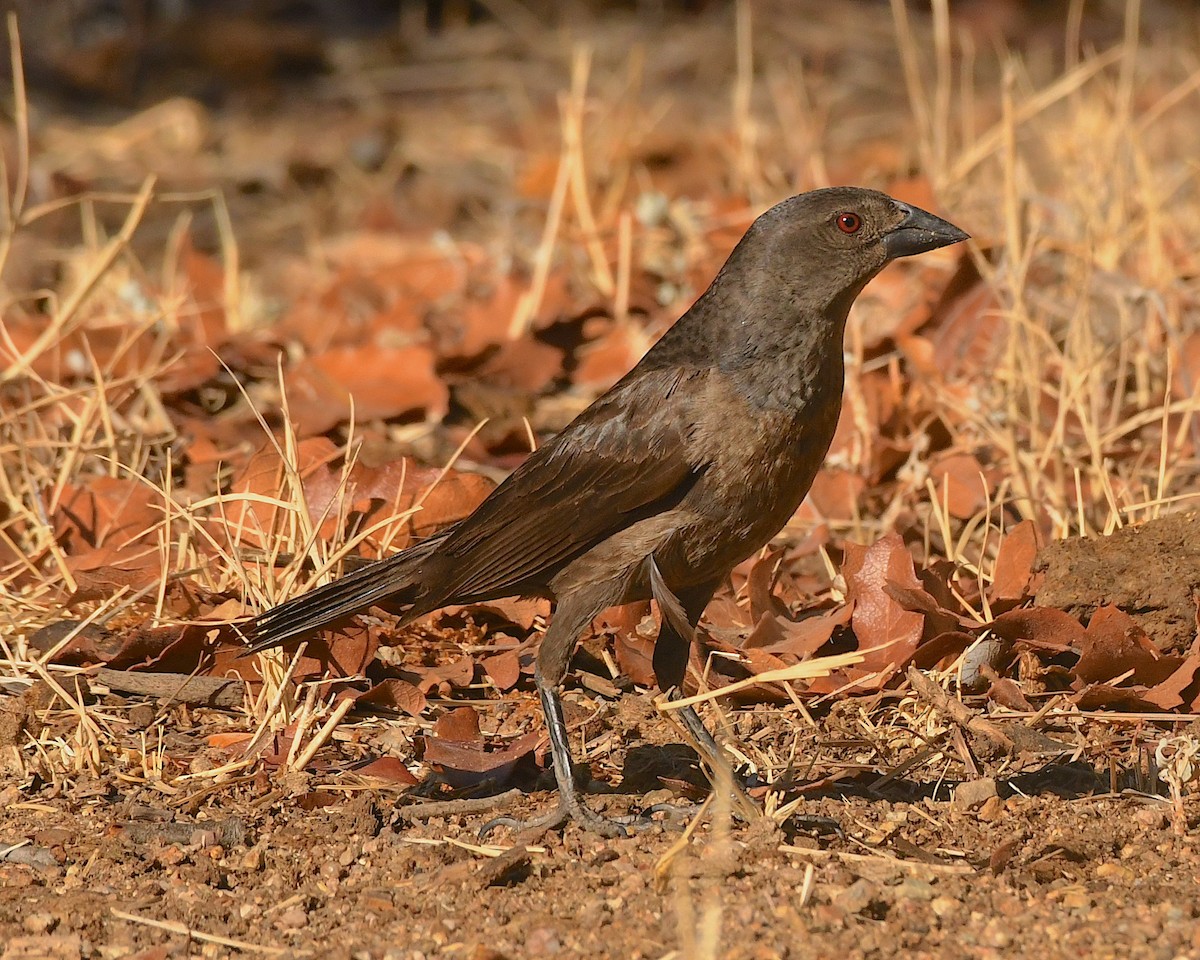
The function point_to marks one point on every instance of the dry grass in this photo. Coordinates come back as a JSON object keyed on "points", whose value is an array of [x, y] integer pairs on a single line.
{"points": [[1076, 184]]}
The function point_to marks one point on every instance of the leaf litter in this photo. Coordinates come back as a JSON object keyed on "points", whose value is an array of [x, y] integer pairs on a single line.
{"points": [[223, 420]]}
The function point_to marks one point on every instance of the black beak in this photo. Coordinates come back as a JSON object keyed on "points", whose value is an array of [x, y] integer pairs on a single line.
{"points": [[919, 232]]}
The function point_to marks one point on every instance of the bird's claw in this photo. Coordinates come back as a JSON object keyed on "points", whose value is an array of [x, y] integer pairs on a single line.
{"points": [[559, 817]]}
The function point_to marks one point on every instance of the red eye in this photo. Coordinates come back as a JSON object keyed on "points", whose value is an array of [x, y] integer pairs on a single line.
{"points": [[849, 222]]}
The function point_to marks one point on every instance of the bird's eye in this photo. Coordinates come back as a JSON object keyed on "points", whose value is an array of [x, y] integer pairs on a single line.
{"points": [[849, 222]]}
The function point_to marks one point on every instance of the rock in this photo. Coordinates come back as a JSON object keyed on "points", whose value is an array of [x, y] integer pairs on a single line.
{"points": [[40, 922], [973, 793], [857, 897], [992, 809], [292, 919], [914, 889], [946, 906]]}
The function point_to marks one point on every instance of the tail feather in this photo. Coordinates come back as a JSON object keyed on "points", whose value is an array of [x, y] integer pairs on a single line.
{"points": [[394, 579]]}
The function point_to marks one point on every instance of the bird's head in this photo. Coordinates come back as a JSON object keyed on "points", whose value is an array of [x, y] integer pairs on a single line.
{"points": [[823, 246]]}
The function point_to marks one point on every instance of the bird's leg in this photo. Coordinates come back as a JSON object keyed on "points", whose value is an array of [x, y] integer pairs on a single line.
{"points": [[671, 652], [573, 614], [680, 614]]}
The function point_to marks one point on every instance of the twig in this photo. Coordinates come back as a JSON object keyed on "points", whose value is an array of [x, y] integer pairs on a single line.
{"points": [[912, 866], [1011, 737], [450, 808], [177, 687], [182, 928]]}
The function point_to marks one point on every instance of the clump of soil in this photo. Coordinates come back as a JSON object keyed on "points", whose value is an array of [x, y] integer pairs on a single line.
{"points": [[1152, 572]]}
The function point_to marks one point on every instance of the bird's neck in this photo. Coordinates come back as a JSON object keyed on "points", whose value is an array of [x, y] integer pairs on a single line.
{"points": [[783, 352]]}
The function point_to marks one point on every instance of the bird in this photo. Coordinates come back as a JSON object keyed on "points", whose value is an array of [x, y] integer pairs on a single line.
{"points": [[688, 465]]}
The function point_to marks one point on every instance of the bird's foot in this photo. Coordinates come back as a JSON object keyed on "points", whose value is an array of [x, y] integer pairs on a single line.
{"points": [[565, 812]]}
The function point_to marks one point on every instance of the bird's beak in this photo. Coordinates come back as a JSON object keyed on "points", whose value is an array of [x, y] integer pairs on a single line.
{"points": [[919, 232]]}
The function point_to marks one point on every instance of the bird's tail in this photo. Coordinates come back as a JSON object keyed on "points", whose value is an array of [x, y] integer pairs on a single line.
{"points": [[395, 579]]}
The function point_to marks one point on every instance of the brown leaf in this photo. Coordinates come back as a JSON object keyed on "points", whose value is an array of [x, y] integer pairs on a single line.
{"points": [[113, 512], [341, 652], [504, 669], [370, 382], [1001, 855], [1171, 693], [886, 632], [603, 362], [1006, 693], [961, 484], [397, 694], [760, 585], [467, 764], [1096, 696], [634, 652], [1013, 573], [1042, 627], [801, 639], [456, 673], [941, 647], [460, 725], [391, 769], [1114, 645], [835, 494], [526, 365]]}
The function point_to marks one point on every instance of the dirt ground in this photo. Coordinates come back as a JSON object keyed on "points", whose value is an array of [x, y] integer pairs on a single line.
{"points": [[1045, 812], [1046, 863]]}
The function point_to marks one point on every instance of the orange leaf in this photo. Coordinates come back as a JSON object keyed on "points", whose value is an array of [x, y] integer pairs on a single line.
{"points": [[885, 630]]}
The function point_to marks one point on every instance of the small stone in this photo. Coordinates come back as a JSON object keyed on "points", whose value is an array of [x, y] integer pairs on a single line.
{"points": [[141, 716], [1114, 871], [542, 942], [973, 793], [914, 889], [1077, 900], [992, 809], [995, 934], [857, 897], [945, 906], [292, 919], [332, 871], [1154, 818], [252, 860], [40, 922]]}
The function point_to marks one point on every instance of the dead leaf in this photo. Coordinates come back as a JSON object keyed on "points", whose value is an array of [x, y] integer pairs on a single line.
{"points": [[504, 669], [961, 484], [1013, 573], [465, 765], [366, 382], [397, 694], [460, 725], [886, 632], [1043, 628], [391, 769], [1115, 645]]}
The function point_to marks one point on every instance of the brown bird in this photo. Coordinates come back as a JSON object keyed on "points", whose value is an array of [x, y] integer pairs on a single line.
{"points": [[689, 464]]}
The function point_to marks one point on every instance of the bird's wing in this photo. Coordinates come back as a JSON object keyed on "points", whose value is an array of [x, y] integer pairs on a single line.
{"points": [[623, 459]]}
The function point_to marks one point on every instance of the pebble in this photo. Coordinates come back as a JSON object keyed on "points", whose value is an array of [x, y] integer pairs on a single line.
{"points": [[292, 919], [856, 897], [945, 906], [973, 793], [40, 922], [992, 809], [252, 860], [542, 942], [1114, 871], [1154, 817], [914, 889]]}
